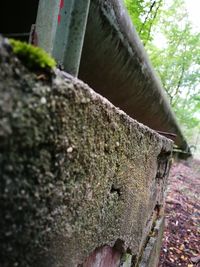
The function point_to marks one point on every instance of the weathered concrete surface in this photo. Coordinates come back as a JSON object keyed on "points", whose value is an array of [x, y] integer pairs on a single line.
{"points": [[76, 173]]}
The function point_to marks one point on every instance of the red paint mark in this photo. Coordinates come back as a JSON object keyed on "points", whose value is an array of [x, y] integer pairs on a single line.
{"points": [[61, 4], [60, 7], [59, 18]]}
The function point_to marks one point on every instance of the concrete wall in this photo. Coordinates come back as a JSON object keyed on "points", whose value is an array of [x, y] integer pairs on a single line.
{"points": [[82, 184]]}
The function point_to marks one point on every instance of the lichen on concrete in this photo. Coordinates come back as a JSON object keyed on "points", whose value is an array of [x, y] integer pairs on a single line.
{"points": [[76, 172]]}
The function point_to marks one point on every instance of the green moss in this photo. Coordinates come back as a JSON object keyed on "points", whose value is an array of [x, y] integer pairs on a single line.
{"points": [[32, 56]]}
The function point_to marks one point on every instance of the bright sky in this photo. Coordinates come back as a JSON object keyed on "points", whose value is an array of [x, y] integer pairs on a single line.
{"points": [[193, 7]]}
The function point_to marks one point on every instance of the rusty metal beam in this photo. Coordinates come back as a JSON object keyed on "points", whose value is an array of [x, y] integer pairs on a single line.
{"points": [[115, 64]]}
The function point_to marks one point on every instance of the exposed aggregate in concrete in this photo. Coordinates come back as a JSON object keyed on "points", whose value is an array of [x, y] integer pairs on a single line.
{"points": [[76, 172]]}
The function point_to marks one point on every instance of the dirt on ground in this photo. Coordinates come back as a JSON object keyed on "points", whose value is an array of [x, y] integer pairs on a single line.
{"points": [[181, 241]]}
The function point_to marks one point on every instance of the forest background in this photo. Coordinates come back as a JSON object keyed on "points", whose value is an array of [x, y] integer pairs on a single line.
{"points": [[173, 45]]}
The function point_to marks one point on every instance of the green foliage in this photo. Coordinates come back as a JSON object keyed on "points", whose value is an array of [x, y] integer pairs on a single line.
{"points": [[177, 63], [144, 14], [33, 57], [173, 47]]}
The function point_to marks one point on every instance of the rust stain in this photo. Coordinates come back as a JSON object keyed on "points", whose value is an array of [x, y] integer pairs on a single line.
{"points": [[103, 257]]}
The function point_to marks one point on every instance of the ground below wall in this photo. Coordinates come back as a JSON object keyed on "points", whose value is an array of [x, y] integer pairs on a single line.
{"points": [[77, 174], [181, 236]]}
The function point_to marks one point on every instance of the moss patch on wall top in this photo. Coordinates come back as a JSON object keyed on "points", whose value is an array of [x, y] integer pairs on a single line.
{"points": [[33, 57]]}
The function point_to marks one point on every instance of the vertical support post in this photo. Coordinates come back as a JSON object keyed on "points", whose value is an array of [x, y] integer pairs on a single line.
{"points": [[70, 34], [46, 24], [60, 29]]}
